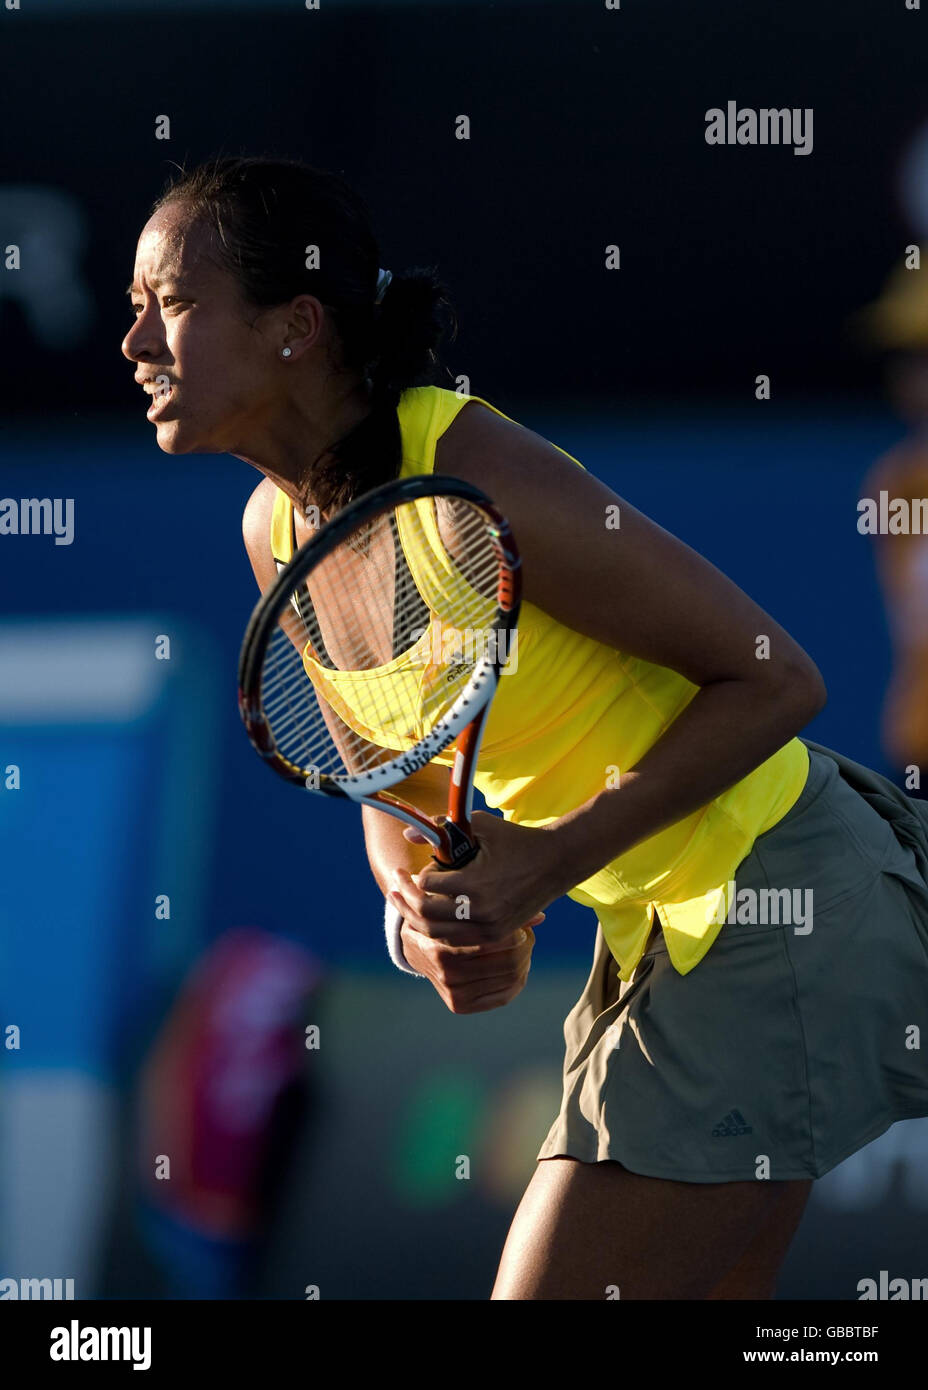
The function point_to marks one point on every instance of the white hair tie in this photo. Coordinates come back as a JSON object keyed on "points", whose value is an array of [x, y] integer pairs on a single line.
{"points": [[383, 279]]}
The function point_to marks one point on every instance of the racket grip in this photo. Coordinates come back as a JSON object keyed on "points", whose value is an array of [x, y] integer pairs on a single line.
{"points": [[393, 925], [462, 847], [464, 857]]}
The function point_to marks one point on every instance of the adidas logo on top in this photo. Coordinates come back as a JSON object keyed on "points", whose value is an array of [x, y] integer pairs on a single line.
{"points": [[734, 1123]]}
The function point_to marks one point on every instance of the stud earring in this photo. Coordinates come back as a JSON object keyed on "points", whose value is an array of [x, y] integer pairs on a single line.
{"points": [[286, 352]]}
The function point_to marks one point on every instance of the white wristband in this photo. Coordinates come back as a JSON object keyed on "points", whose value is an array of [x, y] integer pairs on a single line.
{"points": [[392, 925]]}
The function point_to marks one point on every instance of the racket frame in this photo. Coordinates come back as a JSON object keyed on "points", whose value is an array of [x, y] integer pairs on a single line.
{"points": [[451, 836]]}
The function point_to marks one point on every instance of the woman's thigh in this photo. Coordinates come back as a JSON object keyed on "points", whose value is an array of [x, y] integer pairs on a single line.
{"points": [[597, 1230]]}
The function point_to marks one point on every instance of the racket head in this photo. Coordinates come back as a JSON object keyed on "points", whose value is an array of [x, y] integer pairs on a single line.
{"points": [[348, 682]]}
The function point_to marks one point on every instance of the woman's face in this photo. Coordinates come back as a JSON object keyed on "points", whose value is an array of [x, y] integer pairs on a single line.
{"points": [[208, 361]]}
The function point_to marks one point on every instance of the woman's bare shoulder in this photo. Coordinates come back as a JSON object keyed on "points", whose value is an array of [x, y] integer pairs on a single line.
{"points": [[256, 531], [501, 456]]}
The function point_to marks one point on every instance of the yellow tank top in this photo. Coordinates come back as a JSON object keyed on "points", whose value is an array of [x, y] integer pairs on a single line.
{"points": [[571, 713]]}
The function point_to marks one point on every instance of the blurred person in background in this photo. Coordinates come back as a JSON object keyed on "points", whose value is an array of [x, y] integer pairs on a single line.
{"points": [[897, 324]]}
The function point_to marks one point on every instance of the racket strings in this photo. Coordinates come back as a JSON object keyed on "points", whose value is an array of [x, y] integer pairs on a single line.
{"points": [[395, 658]]}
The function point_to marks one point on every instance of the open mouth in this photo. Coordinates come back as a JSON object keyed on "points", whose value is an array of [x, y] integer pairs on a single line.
{"points": [[160, 398]]}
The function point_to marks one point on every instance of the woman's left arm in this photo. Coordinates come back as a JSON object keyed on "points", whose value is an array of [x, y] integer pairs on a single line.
{"points": [[636, 588]]}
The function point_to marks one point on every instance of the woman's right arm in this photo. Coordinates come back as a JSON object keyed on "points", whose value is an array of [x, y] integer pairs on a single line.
{"points": [[387, 847]]}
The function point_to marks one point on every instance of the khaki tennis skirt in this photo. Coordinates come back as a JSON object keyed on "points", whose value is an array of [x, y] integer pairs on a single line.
{"points": [[792, 1043]]}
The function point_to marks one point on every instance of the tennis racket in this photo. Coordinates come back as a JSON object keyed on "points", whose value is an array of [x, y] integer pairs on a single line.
{"points": [[381, 644]]}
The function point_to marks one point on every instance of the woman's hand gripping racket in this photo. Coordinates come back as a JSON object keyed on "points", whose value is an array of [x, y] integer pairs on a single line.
{"points": [[380, 644]]}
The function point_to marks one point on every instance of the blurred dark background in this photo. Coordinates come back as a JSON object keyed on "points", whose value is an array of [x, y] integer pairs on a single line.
{"points": [[587, 130]]}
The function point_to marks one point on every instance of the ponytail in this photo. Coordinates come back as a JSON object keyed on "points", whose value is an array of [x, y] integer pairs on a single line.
{"points": [[408, 326]]}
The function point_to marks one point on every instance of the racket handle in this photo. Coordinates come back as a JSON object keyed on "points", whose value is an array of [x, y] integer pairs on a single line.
{"points": [[462, 846]]}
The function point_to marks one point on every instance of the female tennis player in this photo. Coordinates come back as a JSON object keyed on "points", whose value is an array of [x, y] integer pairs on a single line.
{"points": [[760, 970]]}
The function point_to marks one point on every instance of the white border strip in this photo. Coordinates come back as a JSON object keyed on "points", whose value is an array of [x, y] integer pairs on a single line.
{"points": [[79, 672]]}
